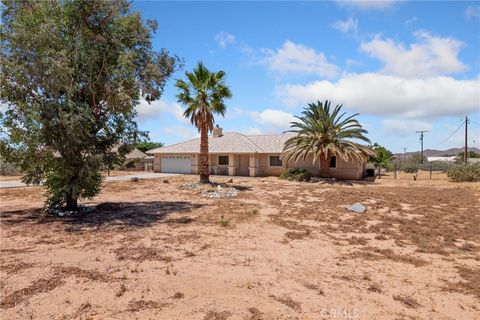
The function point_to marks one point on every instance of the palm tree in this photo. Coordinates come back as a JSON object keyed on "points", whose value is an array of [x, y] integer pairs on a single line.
{"points": [[203, 96], [323, 133]]}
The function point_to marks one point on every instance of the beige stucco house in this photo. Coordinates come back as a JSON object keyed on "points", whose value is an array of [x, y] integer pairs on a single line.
{"points": [[235, 154]]}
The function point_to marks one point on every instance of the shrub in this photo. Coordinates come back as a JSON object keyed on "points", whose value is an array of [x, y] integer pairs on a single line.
{"points": [[465, 173], [8, 169], [296, 174], [411, 168]]}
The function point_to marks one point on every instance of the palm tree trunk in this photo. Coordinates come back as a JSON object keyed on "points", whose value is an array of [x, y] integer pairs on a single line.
{"points": [[325, 165], [204, 167]]}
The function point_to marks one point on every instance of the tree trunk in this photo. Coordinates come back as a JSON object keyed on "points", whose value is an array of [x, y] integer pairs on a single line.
{"points": [[71, 203], [324, 165], [204, 167]]}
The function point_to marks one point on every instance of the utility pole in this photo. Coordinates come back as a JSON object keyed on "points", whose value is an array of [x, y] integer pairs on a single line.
{"points": [[422, 132], [465, 157], [404, 153]]}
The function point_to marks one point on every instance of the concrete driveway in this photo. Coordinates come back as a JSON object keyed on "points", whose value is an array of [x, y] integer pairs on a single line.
{"points": [[146, 175]]}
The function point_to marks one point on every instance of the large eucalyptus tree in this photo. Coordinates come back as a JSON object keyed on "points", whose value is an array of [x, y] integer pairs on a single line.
{"points": [[72, 73]]}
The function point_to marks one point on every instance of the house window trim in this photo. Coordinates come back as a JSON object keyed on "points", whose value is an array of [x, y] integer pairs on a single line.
{"points": [[269, 164], [336, 164], [223, 165]]}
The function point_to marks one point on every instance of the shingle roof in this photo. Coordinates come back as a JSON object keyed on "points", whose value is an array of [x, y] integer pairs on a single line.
{"points": [[135, 154], [231, 142]]}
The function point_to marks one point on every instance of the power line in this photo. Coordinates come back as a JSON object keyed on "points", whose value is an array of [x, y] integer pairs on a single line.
{"points": [[461, 124], [475, 122]]}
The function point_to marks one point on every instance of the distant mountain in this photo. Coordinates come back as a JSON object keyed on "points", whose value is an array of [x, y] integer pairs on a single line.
{"points": [[438, 153]]}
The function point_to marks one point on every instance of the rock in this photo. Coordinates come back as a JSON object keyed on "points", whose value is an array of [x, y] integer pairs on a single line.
{"points": [[61, 213], [166, 181], [230, 181], [134, 179], [357, 207], [87, 209]]}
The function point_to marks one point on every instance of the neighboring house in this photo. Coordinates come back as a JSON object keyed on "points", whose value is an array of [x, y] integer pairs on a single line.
{"points": [[442, 159], [135, 160], [235, 154]]}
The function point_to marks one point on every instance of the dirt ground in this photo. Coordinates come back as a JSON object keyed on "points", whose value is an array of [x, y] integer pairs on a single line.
{"points": [[112, 173], [278, 250]]}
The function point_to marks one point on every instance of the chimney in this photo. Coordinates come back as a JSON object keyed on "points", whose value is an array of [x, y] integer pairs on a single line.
{"points": [[217, 132]]}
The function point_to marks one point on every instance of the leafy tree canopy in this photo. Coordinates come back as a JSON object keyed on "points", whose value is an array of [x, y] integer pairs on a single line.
{"points": [[148, 145], [382, 155], [471, 154], [72, 73]]}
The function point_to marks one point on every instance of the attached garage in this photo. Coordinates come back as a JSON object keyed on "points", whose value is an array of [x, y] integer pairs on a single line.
{"points": [[176, 164]]}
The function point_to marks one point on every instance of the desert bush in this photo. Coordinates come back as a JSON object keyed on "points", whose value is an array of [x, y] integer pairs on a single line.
{"points": [[8, 169], [440, 166], [413, 169], [465, 173], [296, 174], [410, 168]]}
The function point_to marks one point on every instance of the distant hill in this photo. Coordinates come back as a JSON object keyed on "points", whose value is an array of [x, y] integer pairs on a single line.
{"points": [[438, 153]]}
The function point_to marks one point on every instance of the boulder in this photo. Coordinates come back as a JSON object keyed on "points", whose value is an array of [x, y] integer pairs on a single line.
{"points": [[357, 207]]}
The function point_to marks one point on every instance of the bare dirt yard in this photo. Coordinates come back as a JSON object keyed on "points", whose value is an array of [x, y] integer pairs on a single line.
{"points": [[278, 250]]}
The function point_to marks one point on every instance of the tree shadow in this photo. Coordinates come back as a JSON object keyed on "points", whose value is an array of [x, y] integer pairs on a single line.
{"points": [[109, 214]]}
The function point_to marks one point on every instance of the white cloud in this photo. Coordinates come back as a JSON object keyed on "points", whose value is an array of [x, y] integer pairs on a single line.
{"points": [[273, 117], [297, 58], [353, 62], [252, 131], [472, 12], [367, 4], [410, 22], [348, 26], [430, 56], [379, 94], [157, 108], [223, 39], [182, 132], [232, 113], [404, 127]]}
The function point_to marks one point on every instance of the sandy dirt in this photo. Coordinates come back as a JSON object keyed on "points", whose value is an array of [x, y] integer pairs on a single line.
{"points": [[278, 250]]}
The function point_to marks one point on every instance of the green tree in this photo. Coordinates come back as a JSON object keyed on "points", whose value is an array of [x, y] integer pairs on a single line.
{"points": [[324, 133], [144, 146], [382, 156], [72, 73], [471, 154], [203, 95]]}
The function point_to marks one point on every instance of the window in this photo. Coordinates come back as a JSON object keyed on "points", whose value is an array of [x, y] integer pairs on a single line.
{"points": [[275, 161], [333, 162], [223, 160]]}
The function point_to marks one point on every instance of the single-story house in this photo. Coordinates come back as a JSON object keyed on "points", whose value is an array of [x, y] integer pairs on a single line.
{"points": [[236, 154], [134, 160]]}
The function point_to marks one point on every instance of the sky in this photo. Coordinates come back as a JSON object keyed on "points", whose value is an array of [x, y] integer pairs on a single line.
{"points": [[403, 66]]}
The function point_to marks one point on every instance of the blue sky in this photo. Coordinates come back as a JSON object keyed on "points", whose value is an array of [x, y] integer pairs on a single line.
{"points": [[403, 65]]}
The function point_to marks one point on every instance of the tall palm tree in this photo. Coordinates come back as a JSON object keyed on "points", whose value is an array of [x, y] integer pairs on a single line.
{"points": [[203, 96], [324, 133]]}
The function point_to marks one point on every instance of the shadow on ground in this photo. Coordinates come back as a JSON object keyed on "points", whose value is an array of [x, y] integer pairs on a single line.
{"points": [[111, 214]]}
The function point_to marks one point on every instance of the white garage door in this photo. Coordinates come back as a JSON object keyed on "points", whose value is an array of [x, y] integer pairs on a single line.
{"points": [[176, 164]]}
